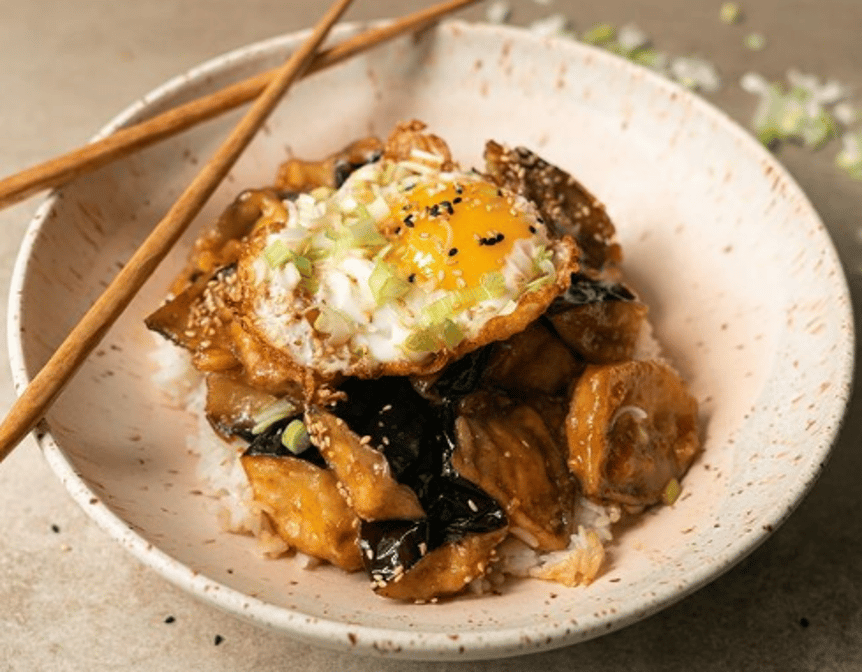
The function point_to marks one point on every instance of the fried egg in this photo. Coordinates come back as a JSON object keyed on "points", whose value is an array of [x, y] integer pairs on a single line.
{"points": [[404, 267]]}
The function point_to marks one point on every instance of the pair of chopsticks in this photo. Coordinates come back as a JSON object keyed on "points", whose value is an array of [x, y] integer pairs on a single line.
{"points": [[266, 90]]}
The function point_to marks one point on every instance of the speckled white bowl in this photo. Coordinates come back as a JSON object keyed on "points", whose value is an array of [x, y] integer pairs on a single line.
{"points": [[746, 293]]}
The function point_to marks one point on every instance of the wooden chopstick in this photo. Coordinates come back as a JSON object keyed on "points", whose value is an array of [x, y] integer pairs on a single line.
{"points": [[124, 141], [48, 383]]}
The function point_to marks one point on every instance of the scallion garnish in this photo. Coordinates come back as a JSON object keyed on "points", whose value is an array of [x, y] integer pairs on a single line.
{"points": [[303, 265], [493, 284], [671, 492], [451, 333], [384, 284], [423, 340], [277, 410], [295, 437], [277, 254], [335, 324]]}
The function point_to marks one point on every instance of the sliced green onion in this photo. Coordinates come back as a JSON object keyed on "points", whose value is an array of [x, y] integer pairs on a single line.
{"points": [[538, 283], [316, 253], [494, 284], [671, 491], [849, 158], [335, 324], [277, 410], [424, 340], [451, 333], [295, 437], [361, 212], [365, 234], [445, 333], [303, 265], [321, 193], [384, 284], [647, 57], [755, 41], [730, 13], [277, 254], [441, 309], [796, 114], [600, 34]]}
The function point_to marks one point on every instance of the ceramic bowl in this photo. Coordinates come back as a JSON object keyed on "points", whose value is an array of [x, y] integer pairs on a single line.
{"points": [[746, 294]]}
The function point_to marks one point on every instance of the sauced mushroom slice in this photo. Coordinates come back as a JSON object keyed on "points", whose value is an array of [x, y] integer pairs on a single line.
{"points": [[535, 360], [601, 321], [563, 202], [405, 428], [196, 320], [438, 555], [506, 449], [296, 175], [233, 407], [301, 498], [362, 469], [632, 431], [220, 242]]}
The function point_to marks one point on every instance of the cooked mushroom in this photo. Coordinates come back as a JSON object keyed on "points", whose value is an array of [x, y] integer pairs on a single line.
{"points": [[297, 175], [303, 501], [231, 405], [567, 206], [601, 321], [438, 555], [506, 449], [534, 360], [362, 469], [632, 431]]}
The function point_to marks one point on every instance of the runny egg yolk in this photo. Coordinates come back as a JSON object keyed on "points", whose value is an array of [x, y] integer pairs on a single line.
{"points": [[454, 233]]}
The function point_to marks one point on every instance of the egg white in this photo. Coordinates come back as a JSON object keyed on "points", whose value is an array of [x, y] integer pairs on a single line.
{"points": [[329, 319]]}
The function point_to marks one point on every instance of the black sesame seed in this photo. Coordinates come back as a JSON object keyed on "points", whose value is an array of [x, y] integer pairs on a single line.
{"points": [[448, 207], [408, 221], [804, 622], [457, 199], [169, 620], [218, 640], [453, 251], [532, 229], [434, 210], [491, 240], [55, 529], [411, 277]]}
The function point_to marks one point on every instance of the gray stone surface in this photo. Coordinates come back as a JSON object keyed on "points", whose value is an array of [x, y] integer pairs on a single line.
{"points": [[70, 599]]}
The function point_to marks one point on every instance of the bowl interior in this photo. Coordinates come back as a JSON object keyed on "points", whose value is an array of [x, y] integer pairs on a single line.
{"points": [[746, 295]]}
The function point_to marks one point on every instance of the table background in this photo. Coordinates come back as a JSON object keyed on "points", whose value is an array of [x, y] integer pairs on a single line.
{"points": [[71, 599]]}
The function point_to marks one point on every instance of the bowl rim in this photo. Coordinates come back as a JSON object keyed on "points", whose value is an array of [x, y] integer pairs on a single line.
{"points": [[335, 634]]}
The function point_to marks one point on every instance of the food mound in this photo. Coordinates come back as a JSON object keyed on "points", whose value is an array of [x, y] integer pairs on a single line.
{"points": [[433, 374]]}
